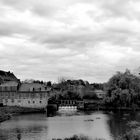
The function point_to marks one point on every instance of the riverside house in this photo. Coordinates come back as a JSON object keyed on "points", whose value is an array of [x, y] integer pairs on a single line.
{"points": [[31, 95]]}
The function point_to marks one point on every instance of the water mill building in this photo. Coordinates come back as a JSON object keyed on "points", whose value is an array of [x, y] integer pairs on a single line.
{"points": [[16, 93]]}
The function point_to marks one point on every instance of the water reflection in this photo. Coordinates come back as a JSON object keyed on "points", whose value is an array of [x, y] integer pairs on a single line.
{"points": [[18, 134], [106, 125], [118, 122], [24, 127]]}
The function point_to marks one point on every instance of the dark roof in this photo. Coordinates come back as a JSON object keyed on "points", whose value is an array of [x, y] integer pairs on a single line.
{"points": [[7, 76]]}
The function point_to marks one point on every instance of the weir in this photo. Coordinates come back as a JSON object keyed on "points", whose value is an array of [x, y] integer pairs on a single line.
{"points": [[70, 105]]}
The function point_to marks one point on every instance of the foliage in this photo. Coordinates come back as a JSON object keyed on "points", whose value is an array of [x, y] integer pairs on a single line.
{"points": [[69, 95], [92, 96], [123, 90], [98, 86], [38, 81], [133, 134], [133, 124], [49, 84]]}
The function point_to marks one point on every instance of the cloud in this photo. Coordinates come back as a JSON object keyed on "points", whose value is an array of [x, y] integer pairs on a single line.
{"points": [[79, 39]]}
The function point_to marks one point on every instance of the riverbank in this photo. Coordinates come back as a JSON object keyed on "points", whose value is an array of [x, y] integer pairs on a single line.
{"points": [[91, 106], [7, 112]]}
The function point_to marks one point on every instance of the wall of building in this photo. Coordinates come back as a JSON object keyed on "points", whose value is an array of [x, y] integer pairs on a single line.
{"points": [[24, 99], [31, 103]]}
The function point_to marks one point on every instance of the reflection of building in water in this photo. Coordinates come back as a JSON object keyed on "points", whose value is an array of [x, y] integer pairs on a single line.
{"points": [[18, 134], [15, 93]]}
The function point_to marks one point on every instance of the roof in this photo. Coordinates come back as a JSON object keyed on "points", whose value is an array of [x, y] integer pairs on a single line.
{"points": [[9, 84], [7, 76], [32, 87]]}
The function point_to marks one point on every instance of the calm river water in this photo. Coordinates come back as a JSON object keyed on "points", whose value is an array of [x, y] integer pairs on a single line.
{"points": [[93, 124]]}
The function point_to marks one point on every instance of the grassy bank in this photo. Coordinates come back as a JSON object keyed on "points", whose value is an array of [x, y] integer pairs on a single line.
{"points": [[80, 137], [134, 134], [8, 111]]}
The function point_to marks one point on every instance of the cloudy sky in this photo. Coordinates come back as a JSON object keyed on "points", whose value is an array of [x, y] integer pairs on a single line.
{"points": [[78, 39]]}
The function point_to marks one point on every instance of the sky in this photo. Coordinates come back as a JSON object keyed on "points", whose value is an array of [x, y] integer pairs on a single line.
{"points": [[75, 39]]}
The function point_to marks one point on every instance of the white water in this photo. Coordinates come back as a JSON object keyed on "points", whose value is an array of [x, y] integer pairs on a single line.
{"points": [[67, 108]]}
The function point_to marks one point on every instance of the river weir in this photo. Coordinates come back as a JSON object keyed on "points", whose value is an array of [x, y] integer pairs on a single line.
{"points": [[67, 108]]}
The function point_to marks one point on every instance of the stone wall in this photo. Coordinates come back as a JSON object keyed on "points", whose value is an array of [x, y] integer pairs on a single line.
{"points": [[24, 99]]}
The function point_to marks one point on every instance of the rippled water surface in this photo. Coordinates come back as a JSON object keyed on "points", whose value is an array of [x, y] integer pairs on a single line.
{"points": [[93, 124]]}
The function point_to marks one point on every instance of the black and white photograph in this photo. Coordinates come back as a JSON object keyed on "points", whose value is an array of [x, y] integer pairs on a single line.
{"points": [[69, 69]]}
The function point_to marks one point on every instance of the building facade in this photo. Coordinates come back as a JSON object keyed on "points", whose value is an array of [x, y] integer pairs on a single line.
{"points": [[31, 95]]}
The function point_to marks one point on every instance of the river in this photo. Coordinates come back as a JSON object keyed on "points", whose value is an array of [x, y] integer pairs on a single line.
{"points": [[107, 125]]}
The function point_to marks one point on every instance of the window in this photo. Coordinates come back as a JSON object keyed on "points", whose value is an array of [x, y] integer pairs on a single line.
{"points": [[12, 100], [33, 102], [40, 102], [28, 102], [5, 89], [41, 95], [6, 100], [12, 94]]}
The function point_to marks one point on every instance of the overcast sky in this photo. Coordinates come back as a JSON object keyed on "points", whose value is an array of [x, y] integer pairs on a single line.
{"points": [[78, 39]]}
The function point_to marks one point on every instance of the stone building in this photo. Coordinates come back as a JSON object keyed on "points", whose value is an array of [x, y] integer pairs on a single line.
{"points": [[24, 95], [15, 93]]}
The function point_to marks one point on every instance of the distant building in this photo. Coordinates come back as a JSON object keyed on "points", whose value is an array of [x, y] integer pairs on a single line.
{"points": [[79, 89], [100, 93]]}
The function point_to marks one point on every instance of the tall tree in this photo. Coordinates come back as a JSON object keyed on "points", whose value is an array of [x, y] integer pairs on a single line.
{"points": [[123, 89]]}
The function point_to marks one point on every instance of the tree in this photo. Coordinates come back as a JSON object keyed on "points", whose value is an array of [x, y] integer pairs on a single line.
{"points": [[49, 84], [123, 89]]}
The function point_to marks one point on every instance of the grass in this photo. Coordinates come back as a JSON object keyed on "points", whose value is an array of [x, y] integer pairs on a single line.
{"points": [[80, 137]]}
